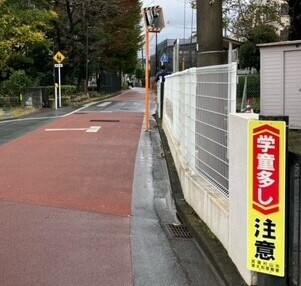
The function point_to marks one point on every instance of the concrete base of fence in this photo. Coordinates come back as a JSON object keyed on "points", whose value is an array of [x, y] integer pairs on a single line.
{"points": [[211, 247], [238, 192], [225, 217], [210, 205]]}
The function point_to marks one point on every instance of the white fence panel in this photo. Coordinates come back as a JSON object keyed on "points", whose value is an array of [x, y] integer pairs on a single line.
{"points": [[197, 104]]}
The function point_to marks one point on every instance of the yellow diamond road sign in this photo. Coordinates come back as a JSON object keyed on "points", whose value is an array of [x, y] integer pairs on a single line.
{"points": [[59, 57]]}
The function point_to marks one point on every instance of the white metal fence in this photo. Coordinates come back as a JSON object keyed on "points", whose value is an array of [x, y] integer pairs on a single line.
{"points": [[197, 103]]}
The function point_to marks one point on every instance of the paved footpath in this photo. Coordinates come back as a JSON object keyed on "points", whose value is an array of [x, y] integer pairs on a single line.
{"points": [[76, 207]]}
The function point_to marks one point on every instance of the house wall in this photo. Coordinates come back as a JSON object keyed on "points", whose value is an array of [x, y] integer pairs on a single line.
{"points": [[292, 87], [271, 66], [280, 81]]}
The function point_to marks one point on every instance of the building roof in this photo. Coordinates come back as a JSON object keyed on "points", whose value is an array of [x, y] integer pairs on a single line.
{"points": [[226, 41], [284, 43], [235, 43]]}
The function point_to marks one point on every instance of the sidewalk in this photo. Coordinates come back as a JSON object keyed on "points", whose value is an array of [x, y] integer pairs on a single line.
{"points": [[208, 243]]}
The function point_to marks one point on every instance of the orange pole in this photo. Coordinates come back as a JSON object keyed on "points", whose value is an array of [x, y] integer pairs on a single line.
{"points": [[147, 83]]}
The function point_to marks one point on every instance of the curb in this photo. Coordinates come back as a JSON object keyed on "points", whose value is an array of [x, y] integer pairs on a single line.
{"points": [[80, 104], [207, 241]]}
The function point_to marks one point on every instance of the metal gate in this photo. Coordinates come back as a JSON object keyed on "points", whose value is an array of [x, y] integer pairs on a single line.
{"points": [[294, 221]]}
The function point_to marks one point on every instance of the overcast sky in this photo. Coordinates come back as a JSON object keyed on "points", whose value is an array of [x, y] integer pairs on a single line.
{"points": [[174, 11]]}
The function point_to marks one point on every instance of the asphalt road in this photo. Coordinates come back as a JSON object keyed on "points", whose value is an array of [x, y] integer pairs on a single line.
{"points": [[85, 200]]}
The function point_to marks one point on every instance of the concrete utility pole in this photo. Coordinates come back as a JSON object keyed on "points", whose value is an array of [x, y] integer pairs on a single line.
{"points": [[210, 33]]}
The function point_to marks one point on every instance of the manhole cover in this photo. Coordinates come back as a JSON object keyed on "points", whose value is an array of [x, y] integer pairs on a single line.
{"points": [[178, 231], [104, 120]]}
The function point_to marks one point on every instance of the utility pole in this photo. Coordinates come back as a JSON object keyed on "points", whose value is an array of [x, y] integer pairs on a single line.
{"points": [[87, 60], [210, 33], [156, 54], [154, 23]]}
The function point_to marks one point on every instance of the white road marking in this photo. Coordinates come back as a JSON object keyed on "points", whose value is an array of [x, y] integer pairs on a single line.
{"points": [[66, 129], [96, 112], [91, 129], [104, 104]]}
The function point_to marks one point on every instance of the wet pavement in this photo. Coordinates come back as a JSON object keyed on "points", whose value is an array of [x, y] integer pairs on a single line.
{"points": [[82, 206]]}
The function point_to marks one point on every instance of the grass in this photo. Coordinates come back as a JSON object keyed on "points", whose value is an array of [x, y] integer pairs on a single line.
{"points": [[16, 112]]}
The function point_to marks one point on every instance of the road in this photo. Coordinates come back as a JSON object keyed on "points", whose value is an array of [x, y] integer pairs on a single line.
{"points": [[85, 200]]}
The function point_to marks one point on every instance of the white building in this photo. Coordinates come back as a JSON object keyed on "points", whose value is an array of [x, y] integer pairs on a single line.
{"points": [[285, 21], [280, 80]]}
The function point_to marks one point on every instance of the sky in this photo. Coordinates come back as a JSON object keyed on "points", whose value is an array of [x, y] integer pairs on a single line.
{"points": [[177, 19]]}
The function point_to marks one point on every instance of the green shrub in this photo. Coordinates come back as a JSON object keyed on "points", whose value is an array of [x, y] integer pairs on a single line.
{"points": [[11, 89], [15, 84], [67, 90]]}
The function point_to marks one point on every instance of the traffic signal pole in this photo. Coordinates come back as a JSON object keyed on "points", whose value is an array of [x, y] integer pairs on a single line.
{"points": [[154, 22]]}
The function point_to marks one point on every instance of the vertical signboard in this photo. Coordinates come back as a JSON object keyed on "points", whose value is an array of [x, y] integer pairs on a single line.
{"points": [[266, 197]]}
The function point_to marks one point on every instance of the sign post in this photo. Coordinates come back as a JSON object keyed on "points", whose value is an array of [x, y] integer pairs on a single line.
{"points": [[147, 83], [154, 23], [267, 198], [58, 57], [55, 95]]}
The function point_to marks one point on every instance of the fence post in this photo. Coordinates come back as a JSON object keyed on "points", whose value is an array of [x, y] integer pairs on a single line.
{"points": [[161, 97], [265, 279], [192, 117]]}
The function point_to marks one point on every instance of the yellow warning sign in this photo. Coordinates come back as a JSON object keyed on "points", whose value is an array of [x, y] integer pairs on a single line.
{"points": [[59, 57], [266, 200]]}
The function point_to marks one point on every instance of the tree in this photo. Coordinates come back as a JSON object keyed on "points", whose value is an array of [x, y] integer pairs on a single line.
{"points": [[253, 22], [241, 17], [123, 43], [24, 29], [249, 56], [295, 19], [104, 33]]}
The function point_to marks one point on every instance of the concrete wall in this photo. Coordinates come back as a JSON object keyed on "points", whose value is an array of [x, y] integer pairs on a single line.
{"points": [[238, 192], [210, 205], [227, 218]]}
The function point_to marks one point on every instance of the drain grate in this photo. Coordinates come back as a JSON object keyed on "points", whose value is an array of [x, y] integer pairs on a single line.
{"points": [[178, 231], [104, 120]]}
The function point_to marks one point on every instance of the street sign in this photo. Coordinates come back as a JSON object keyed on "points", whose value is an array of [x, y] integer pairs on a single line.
{"points": [[164, 58], [266, 197], [154, 19], [59, 57]]}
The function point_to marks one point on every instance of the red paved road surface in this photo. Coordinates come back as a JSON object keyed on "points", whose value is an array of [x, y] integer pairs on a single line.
{"points": [[66, 202], [74, 169]]}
